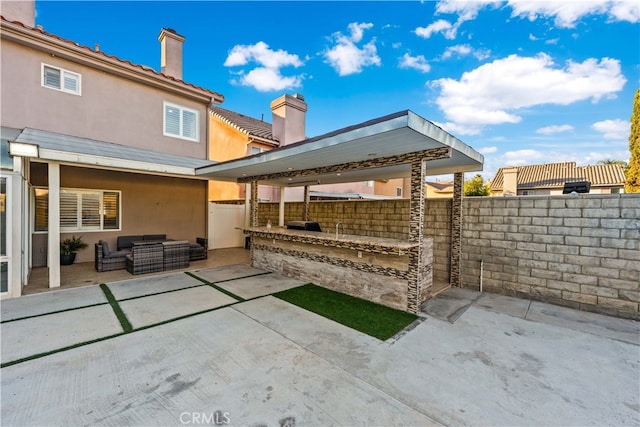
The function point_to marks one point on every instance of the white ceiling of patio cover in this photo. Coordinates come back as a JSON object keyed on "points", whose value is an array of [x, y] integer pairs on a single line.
{"points": [[396, 134]]}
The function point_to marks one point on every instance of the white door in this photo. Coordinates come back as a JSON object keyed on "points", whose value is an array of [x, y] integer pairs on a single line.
{"points": [[225, 223]]}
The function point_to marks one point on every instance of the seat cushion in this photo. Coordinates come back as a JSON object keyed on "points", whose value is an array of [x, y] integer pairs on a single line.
{"points": [[155, 237], [118, 254]]}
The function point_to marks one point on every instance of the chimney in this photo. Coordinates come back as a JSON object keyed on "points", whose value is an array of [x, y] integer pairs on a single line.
{"points": [[510, 181], [288, 118], [21, 11], [171, 53]]}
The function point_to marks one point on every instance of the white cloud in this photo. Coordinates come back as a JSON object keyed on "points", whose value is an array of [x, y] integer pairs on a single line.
{"points": [[267, 75], [567, 13], [613, 129], [346, 57], [494, 92], [269, 79], [357, 30], [416, 62], [464, 50], [564, 13], [549, 130], [488, 150], [440, 26], [261, 54]]}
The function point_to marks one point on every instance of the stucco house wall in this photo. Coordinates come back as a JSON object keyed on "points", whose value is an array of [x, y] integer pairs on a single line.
{"points": [[110, 108], [150, 204]]}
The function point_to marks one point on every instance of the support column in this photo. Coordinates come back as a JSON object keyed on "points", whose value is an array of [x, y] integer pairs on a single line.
{"points": [[254, 203], [281, 208], [247, 205], [53, 243], [456, 230], [420, 275], [307, 197]]}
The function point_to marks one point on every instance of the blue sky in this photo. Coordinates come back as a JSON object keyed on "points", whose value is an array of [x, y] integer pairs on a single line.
{"points": [[523, 81]]}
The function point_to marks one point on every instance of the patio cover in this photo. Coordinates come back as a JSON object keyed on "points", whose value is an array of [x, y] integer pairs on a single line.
{"points": [[83, 151], [393, 135]]}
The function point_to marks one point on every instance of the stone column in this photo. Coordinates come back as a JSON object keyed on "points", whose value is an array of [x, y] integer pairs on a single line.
{"points": [[456, 230], [305, 213], [416, 279], [254, 203]]}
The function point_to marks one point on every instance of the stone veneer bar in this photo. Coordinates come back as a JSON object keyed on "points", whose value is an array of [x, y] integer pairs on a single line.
{"points": [[372, 268]]}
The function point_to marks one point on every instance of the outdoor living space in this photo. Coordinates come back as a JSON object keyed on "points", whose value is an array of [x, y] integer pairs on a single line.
{"points": [[84, 273]]}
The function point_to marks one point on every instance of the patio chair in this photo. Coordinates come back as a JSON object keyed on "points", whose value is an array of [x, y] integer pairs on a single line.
{"points": [[107, 260], [145, 258], [176, 254], [199, 250]]}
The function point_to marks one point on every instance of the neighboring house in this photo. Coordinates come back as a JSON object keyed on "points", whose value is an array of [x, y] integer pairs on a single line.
{"points": [[93, 145], [439, 189], [235, 135], [550, 179]]}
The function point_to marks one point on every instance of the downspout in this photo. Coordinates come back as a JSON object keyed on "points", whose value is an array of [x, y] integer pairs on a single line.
{"points": [[481, 273]]}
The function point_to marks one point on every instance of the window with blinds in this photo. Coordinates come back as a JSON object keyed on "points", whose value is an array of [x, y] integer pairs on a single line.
{"points": [[60, 79], [180, 122], [80, 210]]}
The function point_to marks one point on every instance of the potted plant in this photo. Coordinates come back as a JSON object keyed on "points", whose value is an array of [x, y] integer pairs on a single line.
{"points": [[68, 249]]}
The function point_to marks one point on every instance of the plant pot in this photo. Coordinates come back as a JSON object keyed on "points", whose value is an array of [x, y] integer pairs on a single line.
{"points": [[67, 259]]}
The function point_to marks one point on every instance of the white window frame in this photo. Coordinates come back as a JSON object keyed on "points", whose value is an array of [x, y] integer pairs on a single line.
{"points": [[63, 73], [79, 226], [182, 110]]}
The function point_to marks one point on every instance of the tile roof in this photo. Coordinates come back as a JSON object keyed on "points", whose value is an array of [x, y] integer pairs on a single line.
{"points": [[441, 186], [98, 53], [554, 175], [245, 124]]}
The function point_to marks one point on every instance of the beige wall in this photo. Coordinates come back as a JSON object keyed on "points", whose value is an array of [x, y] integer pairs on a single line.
{"points": [[150, 204], [110, 109]]}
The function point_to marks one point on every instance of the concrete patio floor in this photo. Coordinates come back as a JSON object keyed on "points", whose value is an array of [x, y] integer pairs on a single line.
{"points": [[214, 345]]}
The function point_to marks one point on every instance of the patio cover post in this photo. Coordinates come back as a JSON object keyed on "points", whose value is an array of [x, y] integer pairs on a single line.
{"points": [[419, 279], [456, 229], [281, 207], [53, 238], [305, 213], [254, 203]]}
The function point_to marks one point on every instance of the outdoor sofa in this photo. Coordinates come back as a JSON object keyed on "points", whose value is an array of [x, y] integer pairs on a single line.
{"points": [[171, 254]]}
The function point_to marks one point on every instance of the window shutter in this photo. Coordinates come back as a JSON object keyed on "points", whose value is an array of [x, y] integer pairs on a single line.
{"points": [[71, 82], [52, 77], [171, 120], [90, 210], [42, 209], [68, 210], [111, 211], [189, 124]]}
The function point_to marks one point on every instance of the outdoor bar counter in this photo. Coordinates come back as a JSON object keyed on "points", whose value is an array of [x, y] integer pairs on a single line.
{"points": [[373, 268]]}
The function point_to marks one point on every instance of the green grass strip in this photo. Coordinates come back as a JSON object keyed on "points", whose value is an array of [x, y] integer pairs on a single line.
{"points": [[367, 317], [126, 326], [217, 288]]}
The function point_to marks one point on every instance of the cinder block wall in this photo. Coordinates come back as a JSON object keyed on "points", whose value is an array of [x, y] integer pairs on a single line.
{"points": [[379, 218], [577, 251]]}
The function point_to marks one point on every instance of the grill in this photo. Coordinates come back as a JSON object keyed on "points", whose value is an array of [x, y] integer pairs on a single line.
{"points": [[578, 187], [304, 225]]}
